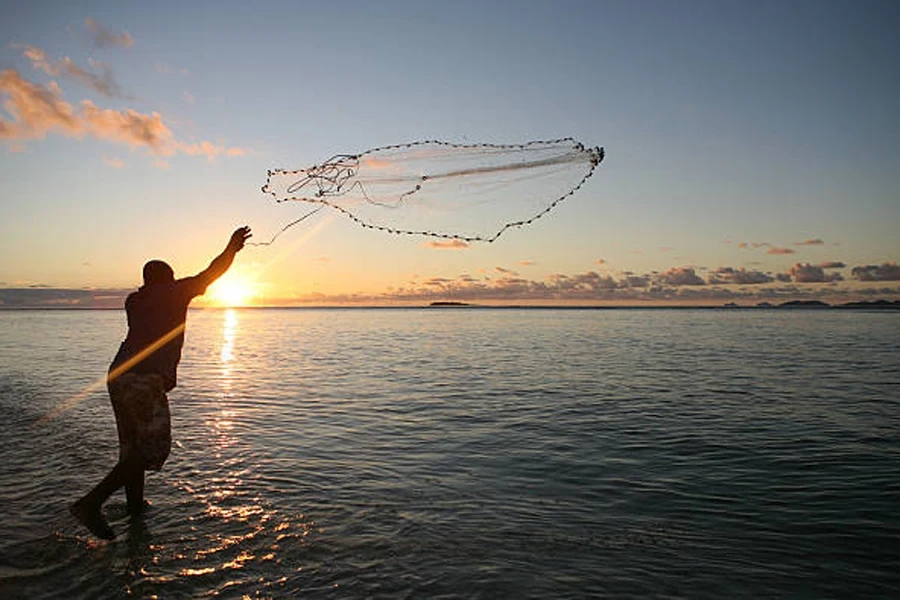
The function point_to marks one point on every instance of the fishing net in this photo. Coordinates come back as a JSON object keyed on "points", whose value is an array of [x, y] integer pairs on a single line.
{"points": [[469, 192]]}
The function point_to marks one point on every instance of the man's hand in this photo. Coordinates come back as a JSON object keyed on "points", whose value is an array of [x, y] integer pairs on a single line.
{"points": [[239, 238]]}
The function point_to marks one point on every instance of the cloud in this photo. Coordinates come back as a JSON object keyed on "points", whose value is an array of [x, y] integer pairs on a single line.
{"points": [[104, 37], [582, 285], [527, 263], [38, 110], [753, 245], [729, 275], [437, 281], [208, 149], [115, 163], [807, 273], [812, 242], [188, 97], [446, 245], [634, 281], [506, 271], [776, 250], [680, 276], [831, 264], [884, 272], [103, 83], [601, 261]]}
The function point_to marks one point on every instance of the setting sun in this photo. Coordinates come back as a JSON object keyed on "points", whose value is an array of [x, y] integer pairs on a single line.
{"points": [[231, 290]]}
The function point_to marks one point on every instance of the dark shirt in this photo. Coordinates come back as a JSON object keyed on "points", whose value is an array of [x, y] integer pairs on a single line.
{"points": [[155, 313]]}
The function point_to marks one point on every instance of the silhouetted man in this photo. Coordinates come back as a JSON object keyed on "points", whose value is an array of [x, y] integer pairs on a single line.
{"points": [[141, 374]]}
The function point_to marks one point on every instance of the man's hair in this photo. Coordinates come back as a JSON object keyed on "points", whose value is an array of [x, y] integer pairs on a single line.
{"points": [[157, 271]]}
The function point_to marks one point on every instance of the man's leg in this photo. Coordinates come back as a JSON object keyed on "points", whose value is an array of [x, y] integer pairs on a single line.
{"points": [[87, 509], [134, 491]]}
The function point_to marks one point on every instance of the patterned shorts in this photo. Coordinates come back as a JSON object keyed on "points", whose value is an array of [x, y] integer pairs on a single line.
{"points": [[142, 418]]}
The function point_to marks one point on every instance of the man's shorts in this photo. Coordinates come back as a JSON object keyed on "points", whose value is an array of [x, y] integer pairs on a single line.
{"points": [[142, 418]]}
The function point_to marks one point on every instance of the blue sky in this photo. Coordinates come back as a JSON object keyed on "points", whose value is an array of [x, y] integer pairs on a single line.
{"points": [[748, 145]]}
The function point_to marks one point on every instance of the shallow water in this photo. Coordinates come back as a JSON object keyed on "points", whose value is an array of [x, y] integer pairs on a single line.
{"points": [[473, 453]]}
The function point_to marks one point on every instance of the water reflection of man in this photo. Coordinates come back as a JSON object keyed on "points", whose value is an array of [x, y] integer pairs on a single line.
{"points": [[141, 373]]}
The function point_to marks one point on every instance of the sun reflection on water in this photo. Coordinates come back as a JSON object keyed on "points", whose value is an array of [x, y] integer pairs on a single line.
{"points": [[222, 422], [229, 332]]}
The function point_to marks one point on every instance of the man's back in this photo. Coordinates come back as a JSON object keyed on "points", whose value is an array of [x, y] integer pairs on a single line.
{"points": [[156, 313]]}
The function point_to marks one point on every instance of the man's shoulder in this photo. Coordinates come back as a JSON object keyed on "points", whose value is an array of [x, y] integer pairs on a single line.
{"points": [[191, 286]]}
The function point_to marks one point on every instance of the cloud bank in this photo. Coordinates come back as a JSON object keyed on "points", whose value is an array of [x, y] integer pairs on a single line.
{"points": [[886, 272], [803, 281]]}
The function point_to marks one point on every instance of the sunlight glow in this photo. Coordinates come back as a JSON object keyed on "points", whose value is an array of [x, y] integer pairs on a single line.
{"points": [[232, 290]]}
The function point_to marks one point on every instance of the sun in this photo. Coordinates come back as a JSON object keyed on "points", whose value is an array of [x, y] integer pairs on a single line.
{"points": [[231, 291]]}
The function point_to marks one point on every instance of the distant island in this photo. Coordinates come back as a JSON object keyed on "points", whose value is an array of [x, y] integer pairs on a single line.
{"points": [[791, 304], [876, 304]]}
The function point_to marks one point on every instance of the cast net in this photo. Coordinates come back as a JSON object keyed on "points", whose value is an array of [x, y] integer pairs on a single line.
{"points": [[469, 192]]}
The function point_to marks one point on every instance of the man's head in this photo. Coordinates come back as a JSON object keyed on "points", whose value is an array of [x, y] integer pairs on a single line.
{"points": [[157, 272]]}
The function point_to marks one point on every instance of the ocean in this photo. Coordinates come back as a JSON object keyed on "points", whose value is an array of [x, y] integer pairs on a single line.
{"points": [[467, 453]]}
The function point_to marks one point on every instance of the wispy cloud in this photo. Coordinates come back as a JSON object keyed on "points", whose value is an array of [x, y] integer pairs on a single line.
{"points": [[811, 242], [209, 150], [104, 37], [38, 110], [115, 163], [446, 245], [831, 264], [506, 271], [889, 271], [103, 83], [188, 97], [777, 250], [527, 263]]}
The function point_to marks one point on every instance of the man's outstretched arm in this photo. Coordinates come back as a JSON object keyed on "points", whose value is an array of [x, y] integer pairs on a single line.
{"points": [[222, 262]]}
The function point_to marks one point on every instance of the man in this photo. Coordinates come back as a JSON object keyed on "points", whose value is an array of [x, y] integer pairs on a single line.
{"points": [[142, 372]]}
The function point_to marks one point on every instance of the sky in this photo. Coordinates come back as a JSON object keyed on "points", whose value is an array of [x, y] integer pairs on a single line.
{"points": [[752, 149]]}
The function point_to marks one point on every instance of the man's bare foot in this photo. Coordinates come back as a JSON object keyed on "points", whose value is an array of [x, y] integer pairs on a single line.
{"points": [[92, 519]]}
